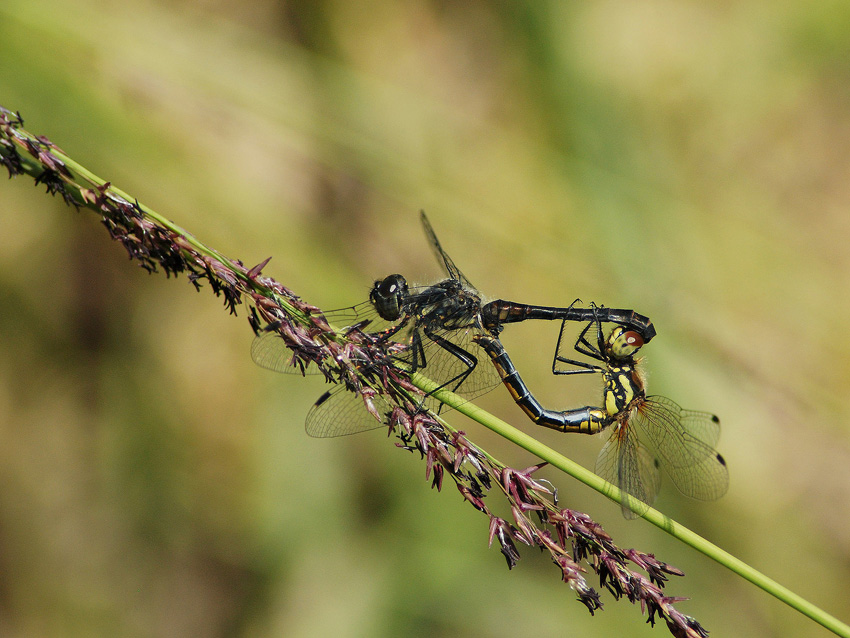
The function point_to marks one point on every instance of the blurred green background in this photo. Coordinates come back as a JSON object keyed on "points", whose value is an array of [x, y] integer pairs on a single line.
{"points": [[689, 160]]}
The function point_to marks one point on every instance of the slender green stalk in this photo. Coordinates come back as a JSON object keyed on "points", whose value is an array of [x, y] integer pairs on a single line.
{"points": [[655, 517]]}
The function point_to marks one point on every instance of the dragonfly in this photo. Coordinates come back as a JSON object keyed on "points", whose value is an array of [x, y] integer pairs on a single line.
{"points": [[648, 432], [439, 327]]}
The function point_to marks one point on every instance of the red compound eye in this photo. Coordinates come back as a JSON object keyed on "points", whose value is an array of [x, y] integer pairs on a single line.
{"points": [[633, 339]]}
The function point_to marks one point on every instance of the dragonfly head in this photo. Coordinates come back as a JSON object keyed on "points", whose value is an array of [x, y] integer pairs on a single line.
{"points": [[388, 296], [623, 344]]}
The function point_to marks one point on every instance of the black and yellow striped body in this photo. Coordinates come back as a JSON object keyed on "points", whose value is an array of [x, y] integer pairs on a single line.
{"points": [[586, 420], [623, 384]]}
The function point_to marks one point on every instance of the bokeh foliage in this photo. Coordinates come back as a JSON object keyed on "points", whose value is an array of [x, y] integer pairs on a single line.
{"points": [[685, 159]]}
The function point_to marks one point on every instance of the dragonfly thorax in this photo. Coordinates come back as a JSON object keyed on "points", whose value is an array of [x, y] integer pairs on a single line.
{"points": [[623, 385], [447, 305]]}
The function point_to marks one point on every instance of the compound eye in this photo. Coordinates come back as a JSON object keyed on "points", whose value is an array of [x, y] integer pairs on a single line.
{"points": [[391, 285], [633, 339]]}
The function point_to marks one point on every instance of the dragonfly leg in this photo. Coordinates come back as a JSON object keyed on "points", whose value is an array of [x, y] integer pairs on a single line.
{"points": [[582, 366], [465, 357], [582, 346]]}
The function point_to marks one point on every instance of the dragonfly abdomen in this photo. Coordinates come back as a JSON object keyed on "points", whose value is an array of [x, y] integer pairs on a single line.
{"points": [[586, 420]]}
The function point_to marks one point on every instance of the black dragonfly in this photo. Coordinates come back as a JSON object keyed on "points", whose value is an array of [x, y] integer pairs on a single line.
{"points": [[440, 327]]}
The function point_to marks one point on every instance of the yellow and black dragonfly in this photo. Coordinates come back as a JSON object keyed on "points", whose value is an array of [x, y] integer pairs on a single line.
{"points": [[647, 432], [436, 327]]}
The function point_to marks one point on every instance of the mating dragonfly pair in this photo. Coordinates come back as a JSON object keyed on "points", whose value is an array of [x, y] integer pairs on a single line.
{"points": [[446, 329]]}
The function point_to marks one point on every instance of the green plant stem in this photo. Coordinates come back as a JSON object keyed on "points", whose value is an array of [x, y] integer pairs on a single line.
{"points": [[655, 517]]}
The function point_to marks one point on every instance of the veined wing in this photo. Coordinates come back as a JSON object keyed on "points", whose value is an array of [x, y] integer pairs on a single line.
{"points": [[269, 350], [445, 261], [339, 412], [624, 462], [683, 441]]}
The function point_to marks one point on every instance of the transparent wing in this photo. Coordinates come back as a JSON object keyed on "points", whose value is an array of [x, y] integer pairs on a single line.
{"points": [[707, 481], [631, 467], [339, 412], [270, 351], [445, 261], [363, 316], [683, 441], [683, 436], [362, 313]]}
